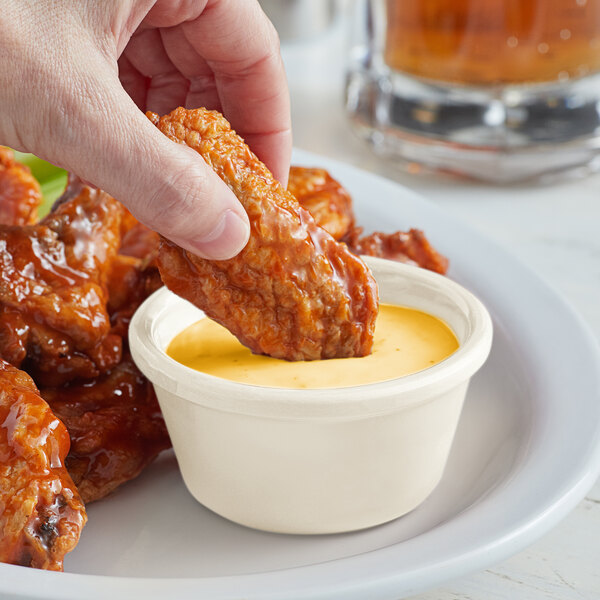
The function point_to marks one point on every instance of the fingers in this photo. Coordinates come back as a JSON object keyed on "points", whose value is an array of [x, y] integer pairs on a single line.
{"points": [[171, 189], [203, 89], [78, 115], [174, 192], [221, 54], [135, 84], [168, 87], [165, 185], [241, 47]]}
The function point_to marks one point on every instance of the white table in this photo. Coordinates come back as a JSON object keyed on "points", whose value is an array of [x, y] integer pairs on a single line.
{"points": [[555, 229]]}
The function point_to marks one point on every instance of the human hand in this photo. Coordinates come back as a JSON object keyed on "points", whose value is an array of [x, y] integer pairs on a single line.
{"points": [[72, 74]]}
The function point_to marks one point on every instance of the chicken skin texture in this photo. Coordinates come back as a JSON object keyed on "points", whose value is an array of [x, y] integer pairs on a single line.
{"points": [[140, 242], [53, 317], [135, 239], [129, 275], [20, 194], [113, 418], [324, 198], [41, 512], [115, 425], [130, 281], [331, 207], [293, 292], [411, 247]]}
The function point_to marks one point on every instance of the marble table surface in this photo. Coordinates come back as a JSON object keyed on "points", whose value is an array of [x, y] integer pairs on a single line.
{"points": [[553, 228]]}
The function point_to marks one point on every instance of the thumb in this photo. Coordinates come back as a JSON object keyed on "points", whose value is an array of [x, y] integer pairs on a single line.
{"points": [[167, 186]]}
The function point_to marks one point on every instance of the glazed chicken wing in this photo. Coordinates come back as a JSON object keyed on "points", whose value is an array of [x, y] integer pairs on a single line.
{"points": [[410, 247], [331, 207], [140, 242], [130, 281], [115, 425], [53, 317], [130, 275], [113, 418], [293, 292], [41, 512], [324, 198], [20, 194]]}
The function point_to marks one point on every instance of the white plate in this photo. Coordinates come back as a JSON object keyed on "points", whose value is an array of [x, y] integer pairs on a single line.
{"points": [[527, 450]]}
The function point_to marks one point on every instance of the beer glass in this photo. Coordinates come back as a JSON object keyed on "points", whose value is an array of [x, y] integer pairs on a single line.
{"points": [[499, 90]]}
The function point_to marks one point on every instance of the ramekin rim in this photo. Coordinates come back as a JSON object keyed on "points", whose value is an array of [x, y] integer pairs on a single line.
{"points": [[371, 398]]}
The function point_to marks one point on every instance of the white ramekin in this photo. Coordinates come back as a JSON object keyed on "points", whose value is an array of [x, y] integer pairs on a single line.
{"points": [[316, 461]]}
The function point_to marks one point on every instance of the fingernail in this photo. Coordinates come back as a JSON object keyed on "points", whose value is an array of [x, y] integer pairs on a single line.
{"points": [[227, 238]]}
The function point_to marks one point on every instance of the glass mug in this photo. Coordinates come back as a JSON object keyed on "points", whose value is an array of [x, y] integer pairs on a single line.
{"points": [[498, 90]]}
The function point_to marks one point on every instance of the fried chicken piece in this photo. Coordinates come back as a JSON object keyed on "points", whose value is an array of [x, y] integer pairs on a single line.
{"points": [[140, 242], [293, 292], [130, 282], [331, 207], [133, 274], [113, 419], [324, 198], [41, 512], [137, 240], [75, 187], [410, 247], [115, 425], [66, 298], [20, 194], [53, 317]]}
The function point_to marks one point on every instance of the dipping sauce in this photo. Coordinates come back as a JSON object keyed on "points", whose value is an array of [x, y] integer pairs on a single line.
{"points": [[406, 341]]}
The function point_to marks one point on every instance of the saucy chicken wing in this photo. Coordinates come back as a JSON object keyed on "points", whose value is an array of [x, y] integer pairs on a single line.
{"points": [[324, 198], [140, 242], [113, 418], [53, 317], [293, 292], [41, 512], [115, 425], [331, 207], [130, 282], [410, 247], [20, 194]]}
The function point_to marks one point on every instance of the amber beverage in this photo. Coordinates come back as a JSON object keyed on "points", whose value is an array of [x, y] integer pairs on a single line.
{"points": [[485, 42], [498, 90]]}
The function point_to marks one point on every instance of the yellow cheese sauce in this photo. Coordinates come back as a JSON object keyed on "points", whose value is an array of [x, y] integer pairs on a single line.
{"points": [[406, 341]]}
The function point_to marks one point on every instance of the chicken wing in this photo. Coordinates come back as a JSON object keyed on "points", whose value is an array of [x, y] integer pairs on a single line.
{"points": [[293, 292], [53, 317], [113, 418], [115, 425], [130, 281], [324, 198], [331, 207], [41, 512], [140, 242], [410, 247], [20, 194]]}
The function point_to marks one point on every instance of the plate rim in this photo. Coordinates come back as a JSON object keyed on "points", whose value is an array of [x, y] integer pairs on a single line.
{"points": [[299, 582]]}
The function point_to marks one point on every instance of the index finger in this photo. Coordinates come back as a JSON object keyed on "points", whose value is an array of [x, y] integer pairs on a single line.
{"points": [[241, 46]]}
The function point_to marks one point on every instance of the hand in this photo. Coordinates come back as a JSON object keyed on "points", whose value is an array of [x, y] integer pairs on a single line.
{"points": [[74, 76]]}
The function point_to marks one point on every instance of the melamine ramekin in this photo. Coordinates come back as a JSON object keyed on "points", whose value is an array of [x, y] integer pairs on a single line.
{"points": [[316, 461]]}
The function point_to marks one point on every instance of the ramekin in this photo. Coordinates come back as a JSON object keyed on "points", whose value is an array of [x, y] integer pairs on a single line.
{"points": [[324, 460]]}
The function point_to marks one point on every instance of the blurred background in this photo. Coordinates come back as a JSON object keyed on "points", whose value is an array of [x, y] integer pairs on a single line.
{"points": [[549, 220], [496, 90], [489, 109]]}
